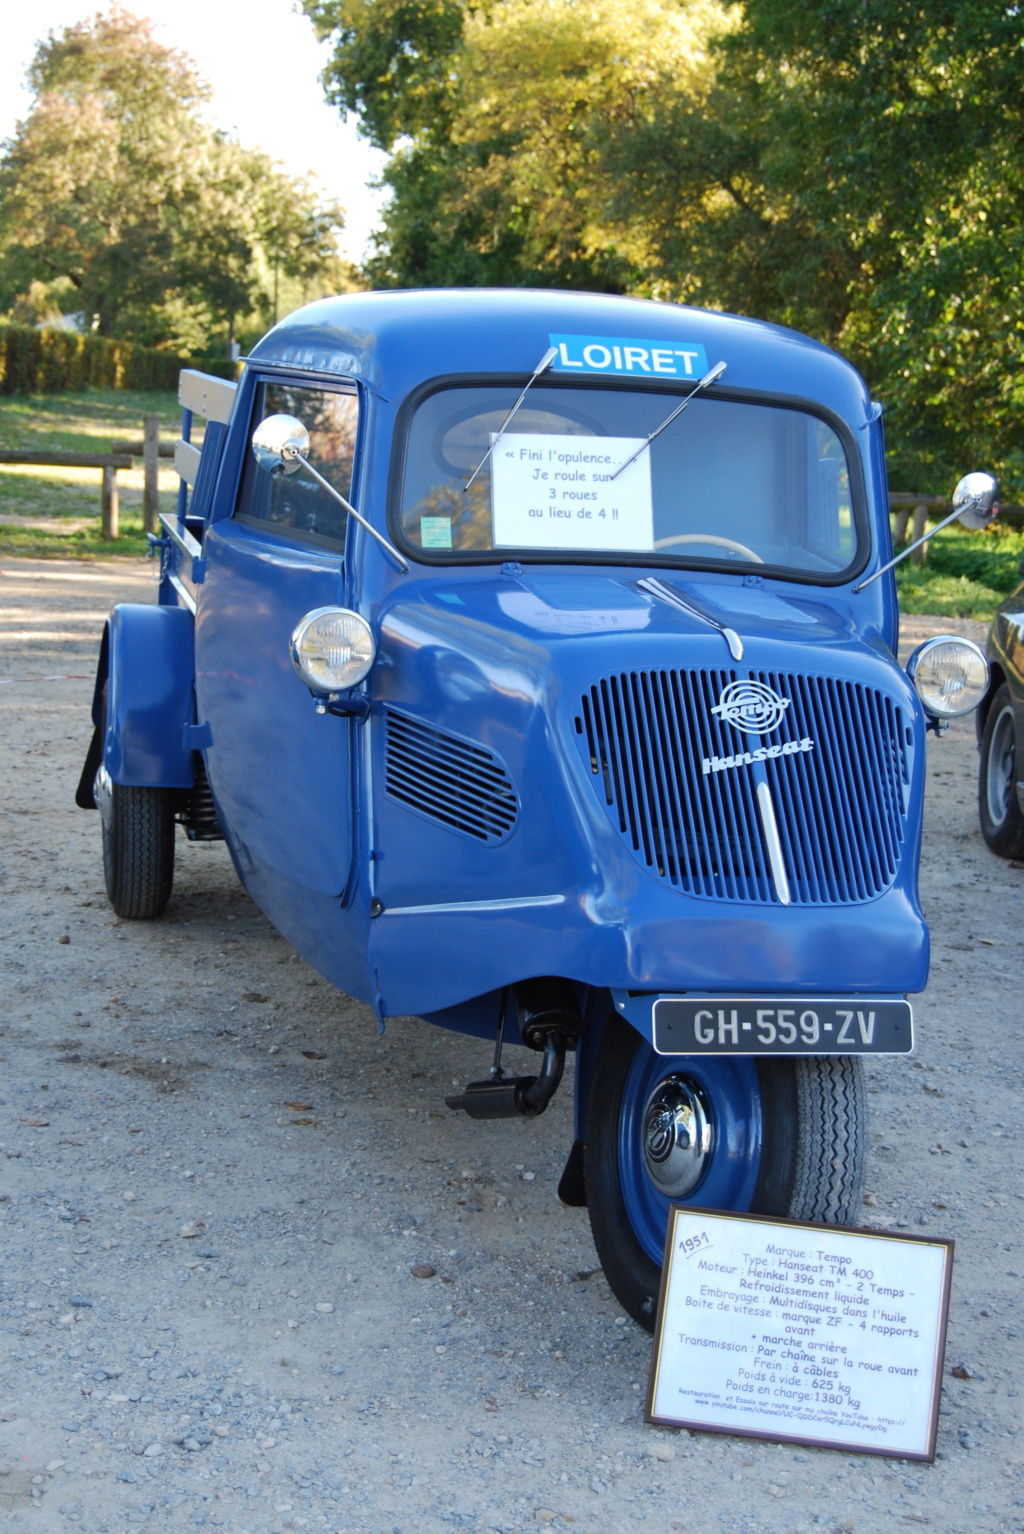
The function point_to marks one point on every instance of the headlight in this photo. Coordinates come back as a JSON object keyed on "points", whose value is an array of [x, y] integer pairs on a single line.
{"points": [[950, 674], [332, 649]]}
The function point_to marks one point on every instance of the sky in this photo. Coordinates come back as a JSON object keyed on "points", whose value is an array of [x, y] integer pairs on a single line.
{"points": [[263, 62]]}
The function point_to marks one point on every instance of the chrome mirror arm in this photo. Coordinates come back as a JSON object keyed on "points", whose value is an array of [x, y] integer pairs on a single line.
{"points": [[904, 553], [974, 504], [293, 454]]}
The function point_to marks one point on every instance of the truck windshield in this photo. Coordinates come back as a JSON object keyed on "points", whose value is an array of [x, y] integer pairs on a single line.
{"points": [[729, 483]]}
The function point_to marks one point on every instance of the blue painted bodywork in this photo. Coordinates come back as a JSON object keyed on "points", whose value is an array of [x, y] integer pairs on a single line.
{"points": [[472, 650], [149, 654]]}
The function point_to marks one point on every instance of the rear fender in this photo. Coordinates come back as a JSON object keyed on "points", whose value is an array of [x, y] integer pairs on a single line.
{"points": [[150, 653]]}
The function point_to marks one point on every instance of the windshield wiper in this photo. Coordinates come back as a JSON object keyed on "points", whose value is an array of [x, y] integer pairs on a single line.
{"points": [[542, 367], [669, 594], [709, 378]]}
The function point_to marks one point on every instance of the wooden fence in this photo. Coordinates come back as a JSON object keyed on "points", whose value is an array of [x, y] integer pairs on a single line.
{"points": [[911, 512], [150, 449]]}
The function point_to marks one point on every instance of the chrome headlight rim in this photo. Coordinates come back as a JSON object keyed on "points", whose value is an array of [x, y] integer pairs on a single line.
{"points": [[360, 668], [926, 649]]}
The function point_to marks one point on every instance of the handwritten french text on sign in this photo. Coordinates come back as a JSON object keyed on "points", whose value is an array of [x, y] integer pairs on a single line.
{"points": [[628, 358], [801, 1332], [556, 492]]}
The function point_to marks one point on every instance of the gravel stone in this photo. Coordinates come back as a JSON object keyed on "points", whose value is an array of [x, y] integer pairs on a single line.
{"points": [[372, 1429]]}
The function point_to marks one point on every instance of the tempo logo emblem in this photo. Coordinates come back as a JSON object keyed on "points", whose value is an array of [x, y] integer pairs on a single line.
{"points": [[751, 707]]}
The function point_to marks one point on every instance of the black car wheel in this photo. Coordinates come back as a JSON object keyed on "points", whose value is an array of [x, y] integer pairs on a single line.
{"points": [[765, 1136], [1002, 824], [138, 846]]}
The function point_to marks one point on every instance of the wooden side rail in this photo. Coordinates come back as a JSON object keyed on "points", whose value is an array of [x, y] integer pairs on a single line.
{"points": [[905, 506], [57, 459], [136, 447], [108, 462]]}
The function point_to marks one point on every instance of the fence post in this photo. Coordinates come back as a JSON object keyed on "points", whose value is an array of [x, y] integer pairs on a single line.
{"points": [[109, 507], [920, 520], [902, 517], [151, 471]]}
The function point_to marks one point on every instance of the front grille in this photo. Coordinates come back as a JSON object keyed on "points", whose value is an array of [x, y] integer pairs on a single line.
{"points": [[455, 782], [841, 807]]}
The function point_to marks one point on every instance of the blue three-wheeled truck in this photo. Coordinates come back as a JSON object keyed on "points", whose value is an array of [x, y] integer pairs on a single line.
{"points": [[534, 654]]}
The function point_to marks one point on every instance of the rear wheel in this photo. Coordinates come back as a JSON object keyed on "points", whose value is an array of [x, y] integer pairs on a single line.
{"points": [[138, 846], [1002, 824], [758, 1135]]}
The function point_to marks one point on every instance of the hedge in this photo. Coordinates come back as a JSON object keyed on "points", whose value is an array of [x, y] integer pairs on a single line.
{"points": [[48, 361]]}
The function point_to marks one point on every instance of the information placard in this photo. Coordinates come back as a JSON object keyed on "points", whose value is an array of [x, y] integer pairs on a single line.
{"points": [[802, 1333], [556, 492]]}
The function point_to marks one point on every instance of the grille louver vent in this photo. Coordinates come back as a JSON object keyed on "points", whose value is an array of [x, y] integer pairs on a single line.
{"points": [[841, 807], [455, 782]]}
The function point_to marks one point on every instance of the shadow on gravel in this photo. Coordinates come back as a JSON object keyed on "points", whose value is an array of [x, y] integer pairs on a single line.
{"points": [[162, 1073]]}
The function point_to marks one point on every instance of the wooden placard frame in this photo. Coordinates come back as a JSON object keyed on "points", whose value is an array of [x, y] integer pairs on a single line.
{"points": [[789, 1226]]}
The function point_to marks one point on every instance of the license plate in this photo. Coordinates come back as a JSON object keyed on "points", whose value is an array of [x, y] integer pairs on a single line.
{"points": [[781, 1025]]}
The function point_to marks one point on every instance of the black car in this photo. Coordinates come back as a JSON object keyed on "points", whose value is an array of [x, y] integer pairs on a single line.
{"points": [[1000, 723]]}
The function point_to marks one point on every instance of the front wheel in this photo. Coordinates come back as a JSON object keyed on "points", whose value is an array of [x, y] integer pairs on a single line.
{"points": [[138, 846], [754, 1135], [1002, 824]]}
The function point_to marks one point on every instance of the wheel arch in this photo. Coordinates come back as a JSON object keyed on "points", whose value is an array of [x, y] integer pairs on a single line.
{"points": [[996, 678], [149, 655]]}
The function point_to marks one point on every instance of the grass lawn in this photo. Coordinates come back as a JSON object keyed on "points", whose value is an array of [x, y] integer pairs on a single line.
{"points": [[57, 511], [966, 574]]}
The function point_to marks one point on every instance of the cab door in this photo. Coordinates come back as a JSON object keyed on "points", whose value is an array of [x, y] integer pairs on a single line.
{"points": [[280, 772]]}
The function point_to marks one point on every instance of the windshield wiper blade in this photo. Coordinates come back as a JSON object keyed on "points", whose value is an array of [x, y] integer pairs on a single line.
{"points": [[709, 378], [542, 367]]}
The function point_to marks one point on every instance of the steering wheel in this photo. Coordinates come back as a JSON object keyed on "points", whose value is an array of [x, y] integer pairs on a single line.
{"points": [[725, 543]]}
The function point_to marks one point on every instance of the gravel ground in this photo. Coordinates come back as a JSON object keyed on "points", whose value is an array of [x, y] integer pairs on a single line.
{"points": [[217, 1180]]}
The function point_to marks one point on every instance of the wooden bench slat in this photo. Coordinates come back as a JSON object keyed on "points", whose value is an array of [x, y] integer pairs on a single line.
{"points": [[186, 461], [212, 398]]}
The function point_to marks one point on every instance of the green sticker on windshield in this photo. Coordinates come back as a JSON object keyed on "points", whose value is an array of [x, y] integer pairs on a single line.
{"points": [[435, 532]]}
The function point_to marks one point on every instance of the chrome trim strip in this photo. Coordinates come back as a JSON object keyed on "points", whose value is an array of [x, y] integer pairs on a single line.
{"points": [[181, 536], [523, 902], [771, 836], [183, 591]]}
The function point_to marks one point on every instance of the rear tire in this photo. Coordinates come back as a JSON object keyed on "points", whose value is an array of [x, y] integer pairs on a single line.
{"points": [[138, 847], [787, 1137], [1002, 824]]}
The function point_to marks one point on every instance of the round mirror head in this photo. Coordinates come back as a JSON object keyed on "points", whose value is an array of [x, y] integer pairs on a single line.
{"points": [[276, 443], [975, 499]]}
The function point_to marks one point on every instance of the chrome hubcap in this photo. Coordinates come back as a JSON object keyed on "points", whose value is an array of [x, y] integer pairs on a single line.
{"points": [[102, 793], [677, 1135], [1000, 775]]}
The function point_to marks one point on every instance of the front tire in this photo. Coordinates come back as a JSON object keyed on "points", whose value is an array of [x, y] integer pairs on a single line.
{"points": [[1002, 824], [138, 847], [765, 1136]]}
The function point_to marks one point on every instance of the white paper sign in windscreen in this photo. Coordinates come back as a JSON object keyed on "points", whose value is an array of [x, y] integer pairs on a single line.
{"points": [[556, 492]]}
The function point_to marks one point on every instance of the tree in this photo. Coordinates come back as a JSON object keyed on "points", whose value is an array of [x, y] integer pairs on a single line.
{"points": [[854, 171], [116, 190]]}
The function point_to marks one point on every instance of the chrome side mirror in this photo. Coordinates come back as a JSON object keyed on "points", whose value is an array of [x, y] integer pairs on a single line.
{"points": [[281, 446], [974, 500], [280, 443], [974, 505]]}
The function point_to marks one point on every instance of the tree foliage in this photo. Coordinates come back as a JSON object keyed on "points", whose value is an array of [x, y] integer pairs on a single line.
{"points": [[120, 202], [853, 170]]}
